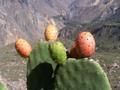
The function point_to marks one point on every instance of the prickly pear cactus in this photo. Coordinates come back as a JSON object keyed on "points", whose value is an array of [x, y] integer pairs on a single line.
{"points": [[75, 74], [82, 74], [40, 68]]}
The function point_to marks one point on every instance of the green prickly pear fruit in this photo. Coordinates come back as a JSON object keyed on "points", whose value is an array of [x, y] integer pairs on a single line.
{"points": [[58, 52]]}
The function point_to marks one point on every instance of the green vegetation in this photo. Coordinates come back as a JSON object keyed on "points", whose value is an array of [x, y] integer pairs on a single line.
{"points": [[40, 68], [81, 74], [3, 87]]}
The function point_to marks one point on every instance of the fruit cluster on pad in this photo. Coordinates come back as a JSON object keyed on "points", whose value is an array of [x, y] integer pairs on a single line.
{"points": [[49, 67]]}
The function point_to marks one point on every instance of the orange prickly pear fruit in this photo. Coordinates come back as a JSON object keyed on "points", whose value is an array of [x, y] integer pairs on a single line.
{"points": [[51, 32], [23, 47], [85, 44]]}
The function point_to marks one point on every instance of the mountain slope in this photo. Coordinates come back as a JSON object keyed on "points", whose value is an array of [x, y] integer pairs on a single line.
{"points": [[28, 18]]}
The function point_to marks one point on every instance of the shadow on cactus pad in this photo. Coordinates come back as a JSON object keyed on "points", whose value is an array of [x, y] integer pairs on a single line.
{"points": [[40, 78]]}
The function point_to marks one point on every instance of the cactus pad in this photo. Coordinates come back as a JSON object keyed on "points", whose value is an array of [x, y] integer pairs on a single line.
{"points": [[40, 54], [82, 74], [40, 68]]}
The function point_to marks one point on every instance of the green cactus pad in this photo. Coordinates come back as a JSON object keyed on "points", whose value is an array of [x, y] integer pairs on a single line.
{"points": [[58, 52], [82, 74], [40, 68], [3, 87], [40, 54]]}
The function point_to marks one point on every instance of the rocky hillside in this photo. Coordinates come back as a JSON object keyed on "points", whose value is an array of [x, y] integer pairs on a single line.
{"points": [[86, 11], [28, 18]]}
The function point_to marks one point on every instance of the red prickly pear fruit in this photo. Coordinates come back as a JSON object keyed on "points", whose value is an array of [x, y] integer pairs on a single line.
{"points": [[74, 51], [85, 44], [23, 47]]}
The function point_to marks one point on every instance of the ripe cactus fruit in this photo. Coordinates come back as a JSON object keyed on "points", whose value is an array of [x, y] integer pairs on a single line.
{"points": [[85, 44], [58, 52], [51, 32], [81, 75], [23, 47], [40, 67], [74, 51]]}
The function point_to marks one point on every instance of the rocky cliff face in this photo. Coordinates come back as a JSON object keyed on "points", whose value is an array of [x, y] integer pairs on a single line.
{"points": [[28, 18], [86, 11]]}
